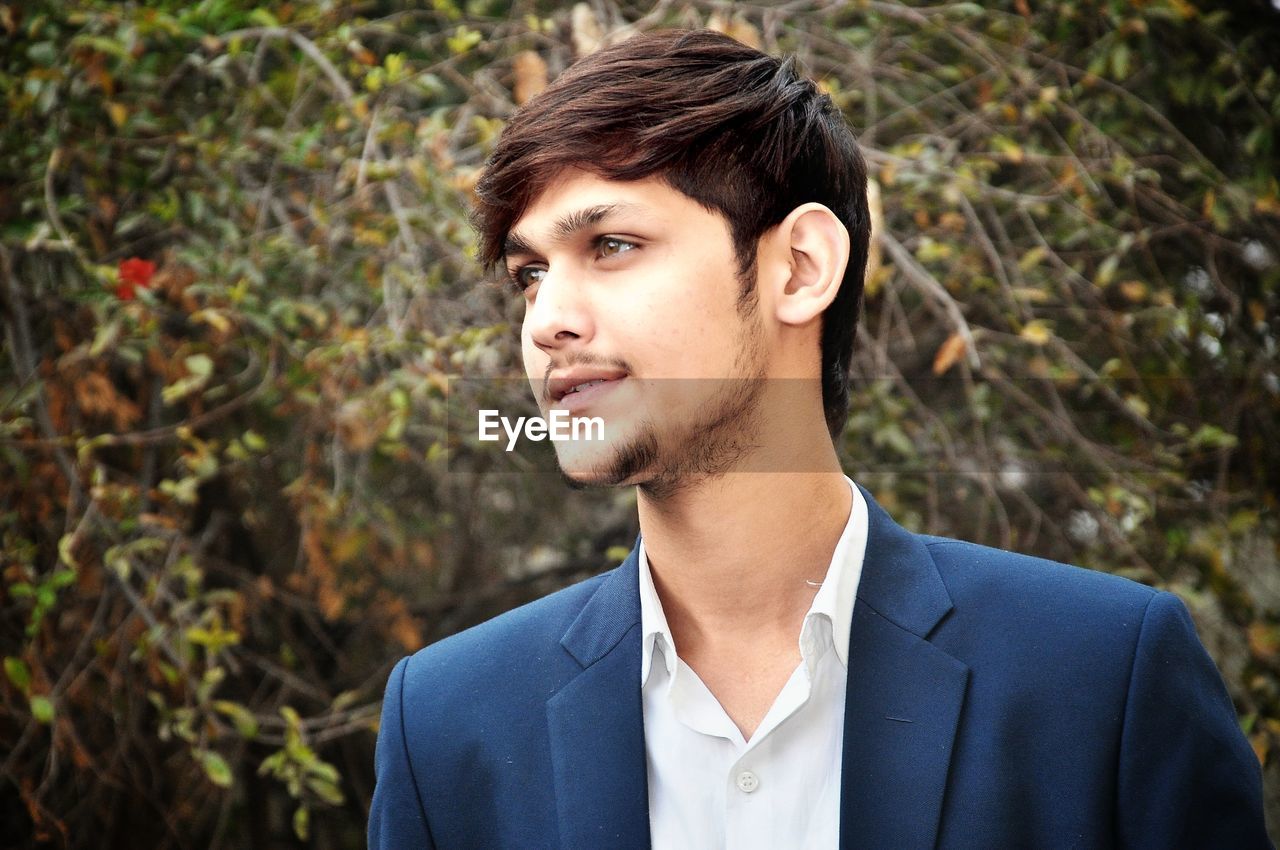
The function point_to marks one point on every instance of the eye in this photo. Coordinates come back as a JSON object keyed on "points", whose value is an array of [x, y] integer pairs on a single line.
{"points": [[611, 246], [525, 276]]}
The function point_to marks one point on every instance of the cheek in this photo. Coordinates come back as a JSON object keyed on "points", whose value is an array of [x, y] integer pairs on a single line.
{"points": [[701, 341], [535, 376], [683, 345], [535, 359]]}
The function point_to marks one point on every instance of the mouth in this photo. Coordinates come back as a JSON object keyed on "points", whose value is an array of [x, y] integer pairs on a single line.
{"points": [[581, 387], [575, 385]]}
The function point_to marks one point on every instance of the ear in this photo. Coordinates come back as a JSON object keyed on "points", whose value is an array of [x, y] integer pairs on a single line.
{"points": [[809, 250]]}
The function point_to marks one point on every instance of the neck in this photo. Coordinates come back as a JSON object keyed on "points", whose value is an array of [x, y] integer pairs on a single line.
{"points": [[739, 557]]}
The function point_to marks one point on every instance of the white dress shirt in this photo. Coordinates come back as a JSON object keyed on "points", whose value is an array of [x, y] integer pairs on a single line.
{"points": [[708, 787]]}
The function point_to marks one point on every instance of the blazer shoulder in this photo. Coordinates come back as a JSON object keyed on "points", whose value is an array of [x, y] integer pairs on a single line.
{"points": [[1054, 639], [977, 575], [465, 727]]}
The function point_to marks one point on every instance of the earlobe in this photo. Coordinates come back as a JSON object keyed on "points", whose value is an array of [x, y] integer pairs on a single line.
{"points": [[818, 244]]}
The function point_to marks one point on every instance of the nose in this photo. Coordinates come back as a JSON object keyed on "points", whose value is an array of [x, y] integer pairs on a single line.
{"points": [[558, 317]]}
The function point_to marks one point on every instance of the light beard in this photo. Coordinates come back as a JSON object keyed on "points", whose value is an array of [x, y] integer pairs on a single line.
{"points": [[708, 447], [665, 461]]}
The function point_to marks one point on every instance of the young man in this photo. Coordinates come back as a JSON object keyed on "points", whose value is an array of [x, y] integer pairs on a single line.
{"points": [[777, 664]]}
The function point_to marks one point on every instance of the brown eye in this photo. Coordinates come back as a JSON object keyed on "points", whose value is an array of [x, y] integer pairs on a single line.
{"points": [[526, 276], [610, 246]]}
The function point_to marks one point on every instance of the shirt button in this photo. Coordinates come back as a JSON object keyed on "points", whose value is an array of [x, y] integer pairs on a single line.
{"points": [[748, 782]]}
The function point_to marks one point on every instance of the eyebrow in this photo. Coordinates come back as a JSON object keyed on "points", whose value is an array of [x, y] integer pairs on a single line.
{"points": [[568, 226]]}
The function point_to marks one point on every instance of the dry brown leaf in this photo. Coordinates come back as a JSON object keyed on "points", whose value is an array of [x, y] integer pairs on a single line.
{"points": [[401, 624], [97, 396], [531, 76], [736, 27], [745, 32], [1261, 743], [356, 428], [1134, 290], [1264, 640], [948, 353]]}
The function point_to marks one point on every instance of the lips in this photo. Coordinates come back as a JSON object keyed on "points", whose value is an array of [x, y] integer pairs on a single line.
{"points": [[567, 383]]}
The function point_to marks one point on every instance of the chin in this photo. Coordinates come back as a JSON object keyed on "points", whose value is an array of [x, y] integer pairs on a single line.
{"points": [[616, 463]]}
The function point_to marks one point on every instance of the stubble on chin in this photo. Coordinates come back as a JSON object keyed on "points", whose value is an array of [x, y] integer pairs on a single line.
{"points": [[631, 459], [707, 447]]}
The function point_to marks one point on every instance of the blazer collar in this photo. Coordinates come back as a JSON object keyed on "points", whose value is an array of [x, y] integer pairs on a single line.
{"points": [[903, 697], [902, 706], [609, 614], [899, 580], [596, 724]]}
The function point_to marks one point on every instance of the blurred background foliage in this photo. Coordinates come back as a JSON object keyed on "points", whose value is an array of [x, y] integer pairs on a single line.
{"points": [[236, 278]]}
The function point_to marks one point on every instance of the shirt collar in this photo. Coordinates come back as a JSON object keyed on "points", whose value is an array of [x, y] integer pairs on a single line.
{"points": [[653, 622], [833, 601]]}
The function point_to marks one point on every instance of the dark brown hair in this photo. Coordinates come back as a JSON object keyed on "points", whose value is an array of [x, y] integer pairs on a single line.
{"points": [[740, 132]]}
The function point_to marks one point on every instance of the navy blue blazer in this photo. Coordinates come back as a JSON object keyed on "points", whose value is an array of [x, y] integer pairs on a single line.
{"points": [[994, 701]]}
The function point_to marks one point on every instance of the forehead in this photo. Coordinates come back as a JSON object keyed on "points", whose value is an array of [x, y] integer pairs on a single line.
{"points": [[574, 192]]}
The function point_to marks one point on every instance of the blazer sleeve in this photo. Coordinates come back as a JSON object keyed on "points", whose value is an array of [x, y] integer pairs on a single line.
{"points": [[1187, 776], [396, 816]]}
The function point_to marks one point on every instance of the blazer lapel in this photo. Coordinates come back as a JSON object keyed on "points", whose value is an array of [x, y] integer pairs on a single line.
{"points": [[903, 699], [597, 726]]}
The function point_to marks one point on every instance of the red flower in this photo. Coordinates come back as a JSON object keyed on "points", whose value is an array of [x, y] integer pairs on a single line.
{"points": [[134, 272]]}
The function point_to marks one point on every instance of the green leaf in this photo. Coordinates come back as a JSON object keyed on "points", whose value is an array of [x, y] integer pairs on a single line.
{"points": [[42, 709], [302, 822], [463, 40], [1107, 270], [18, 672], [182, 388], [199, 365], [1032, 258], [890, 435], [326, 790], [209, 683], [106, 337], [290, 715], [263, 18], [245, 721], [214, 639], [344, 699], [43, 53], [215, 767], [117, 559], [183, 491], [65, 544], [394, 63], [1120, 61], [61, 578], [324, 771], [1213, 437]]}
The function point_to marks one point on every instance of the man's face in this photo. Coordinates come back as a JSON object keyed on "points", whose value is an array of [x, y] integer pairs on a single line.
{"points": [[634, 285]]}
